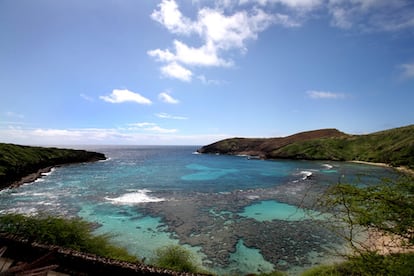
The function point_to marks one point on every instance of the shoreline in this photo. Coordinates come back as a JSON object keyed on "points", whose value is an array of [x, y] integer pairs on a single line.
{"points": [[30, 177], [401, 169], [385, 244]]}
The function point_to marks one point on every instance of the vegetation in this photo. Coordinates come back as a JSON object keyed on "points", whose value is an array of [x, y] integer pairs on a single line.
{"points": [[394, 146], [373, 264], [176, 257], [69, 233], [384, 212], [17, 161]]}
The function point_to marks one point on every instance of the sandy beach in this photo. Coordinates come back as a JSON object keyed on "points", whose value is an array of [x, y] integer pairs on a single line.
{"points": [[401, 169], [385, 243]]}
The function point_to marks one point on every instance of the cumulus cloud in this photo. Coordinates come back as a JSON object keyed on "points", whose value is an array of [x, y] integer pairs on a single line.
{"points": [[175, 70], [170, 16], [167, 98], [202, 56], [121, 96], [313, 94], [407, 70], [169, 116], [218, 31]]}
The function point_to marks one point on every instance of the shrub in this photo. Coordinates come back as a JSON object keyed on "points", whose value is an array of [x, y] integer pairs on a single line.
{"points": [[70, 233], [175, 257]]}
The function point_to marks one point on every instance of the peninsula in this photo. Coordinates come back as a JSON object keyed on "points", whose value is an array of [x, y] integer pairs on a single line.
{"points": [[394, 147], [21, 164]]}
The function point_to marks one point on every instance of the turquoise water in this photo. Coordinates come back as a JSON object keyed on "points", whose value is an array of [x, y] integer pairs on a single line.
{"points": [[148, 197], [273, 210]]}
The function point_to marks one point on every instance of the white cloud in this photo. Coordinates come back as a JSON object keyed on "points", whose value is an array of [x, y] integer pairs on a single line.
{"points": [[174, 70], [161, 130], [324, 95], [167, 98], [219, 32], [103, 136], [144, 124], [86, 97], [169, 116], [407, 70], [204, 80], [170, 16], [302, 4], [372, 15], [121, 96], [151, 127], [203, 56]]}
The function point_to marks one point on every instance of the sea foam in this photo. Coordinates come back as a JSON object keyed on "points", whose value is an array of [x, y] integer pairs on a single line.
{"points": [[305, 174], [136, 197], [327, 166]]}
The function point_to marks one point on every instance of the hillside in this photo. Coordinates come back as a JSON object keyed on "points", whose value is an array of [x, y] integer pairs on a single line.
{"points": [[393, 146], [18, 161]]}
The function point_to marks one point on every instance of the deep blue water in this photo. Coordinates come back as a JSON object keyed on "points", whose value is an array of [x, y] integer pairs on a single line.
{"points": [[111, 192]]}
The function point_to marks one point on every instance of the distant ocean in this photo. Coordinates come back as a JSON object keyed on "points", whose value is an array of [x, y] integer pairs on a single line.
{"points": [[237, 215]]}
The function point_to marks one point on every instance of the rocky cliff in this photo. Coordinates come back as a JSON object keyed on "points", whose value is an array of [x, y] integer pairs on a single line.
{"points": [[18, 162]]}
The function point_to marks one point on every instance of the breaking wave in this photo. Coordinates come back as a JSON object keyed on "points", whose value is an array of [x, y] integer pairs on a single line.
{"points": [[136, 197], [305, 174]]}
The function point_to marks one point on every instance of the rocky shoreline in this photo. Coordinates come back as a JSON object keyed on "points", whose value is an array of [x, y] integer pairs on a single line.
{"points": [[31, 177], [24, 164]]}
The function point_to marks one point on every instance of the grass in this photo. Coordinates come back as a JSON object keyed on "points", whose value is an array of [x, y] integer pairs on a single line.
{"points": [[394, 147], [368, 264], [175, 257], [69, 233]]}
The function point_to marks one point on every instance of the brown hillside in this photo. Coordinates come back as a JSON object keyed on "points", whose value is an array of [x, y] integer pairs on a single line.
{"points": [[261, 146]]}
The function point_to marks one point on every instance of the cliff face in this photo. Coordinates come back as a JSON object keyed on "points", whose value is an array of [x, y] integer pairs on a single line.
{"points": [[393, 146], [18, 161]]}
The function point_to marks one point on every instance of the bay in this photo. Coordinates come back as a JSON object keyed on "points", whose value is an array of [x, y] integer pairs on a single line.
{"points": [[222, 208]]}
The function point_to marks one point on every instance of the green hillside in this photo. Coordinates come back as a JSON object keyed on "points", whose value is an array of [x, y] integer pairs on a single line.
{"points": [[393, 146], [18, 161]]}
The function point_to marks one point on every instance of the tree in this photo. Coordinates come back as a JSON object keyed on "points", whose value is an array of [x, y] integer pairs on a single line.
{"points": [[377, 221]]}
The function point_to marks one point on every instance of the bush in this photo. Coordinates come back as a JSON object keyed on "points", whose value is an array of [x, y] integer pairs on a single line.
{"points": [[70, 233], [175, 257], [368, 264]]}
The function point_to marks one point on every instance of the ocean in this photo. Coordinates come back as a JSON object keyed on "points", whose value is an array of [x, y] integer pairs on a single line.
{"points": [[237, 215]]}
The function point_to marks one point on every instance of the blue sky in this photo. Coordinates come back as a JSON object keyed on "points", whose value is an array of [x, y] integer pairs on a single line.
{"points": [[193, 72]]}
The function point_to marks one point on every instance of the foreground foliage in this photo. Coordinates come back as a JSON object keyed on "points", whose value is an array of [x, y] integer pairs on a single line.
{"points": [[378, 223], [175, 257], [69, 233], [386, 208], [368, 264]]}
